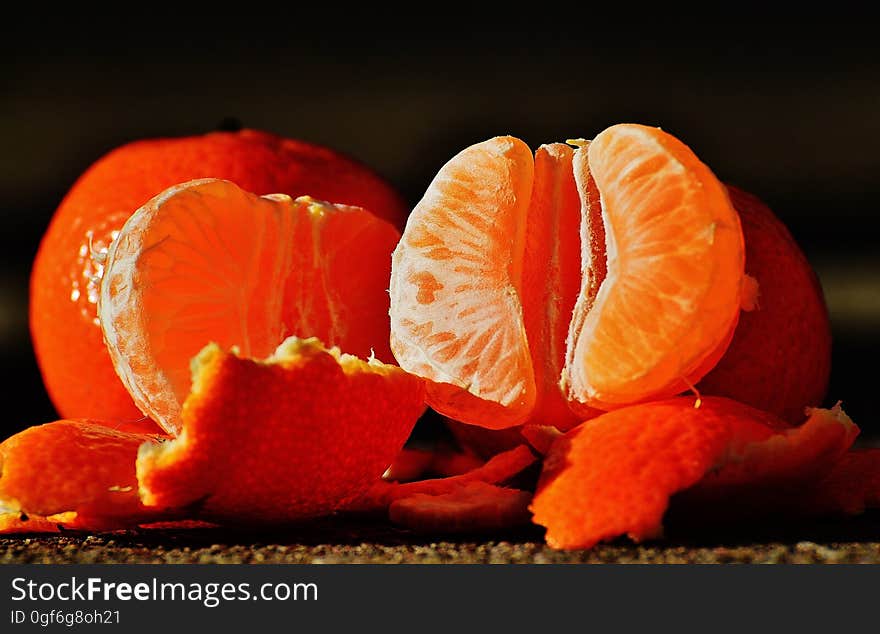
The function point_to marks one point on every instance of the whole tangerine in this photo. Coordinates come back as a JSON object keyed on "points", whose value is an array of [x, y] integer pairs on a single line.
{"points": [[66, 275], [780, 356]]}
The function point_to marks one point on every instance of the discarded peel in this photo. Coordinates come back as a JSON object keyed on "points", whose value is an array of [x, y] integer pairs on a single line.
{"points": [[852, 486], [482, 441], [86, 468], [498, 470], [615, 474], [494, 301], [473, 507], [541, 437], [21, 524], [206, 261], [408, 465], [270, 442]]}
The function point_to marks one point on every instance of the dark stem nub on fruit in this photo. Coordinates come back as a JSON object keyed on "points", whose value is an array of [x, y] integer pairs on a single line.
{"points": [[229, 124]]}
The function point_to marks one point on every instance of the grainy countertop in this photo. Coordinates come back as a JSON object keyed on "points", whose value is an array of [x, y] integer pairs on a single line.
{"points": [[335, 541]]}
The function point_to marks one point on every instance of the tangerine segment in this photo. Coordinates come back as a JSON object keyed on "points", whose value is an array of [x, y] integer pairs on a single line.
{"points": [[456, 281], [474, 507], [74, 465], [207, 261], [297, 435], [670, 300], [551, 277], [614, 475]]}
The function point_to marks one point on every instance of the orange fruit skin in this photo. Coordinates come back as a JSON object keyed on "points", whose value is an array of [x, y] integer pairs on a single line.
{"points": [[276, 442], [852, 486], [75, 465], [780, 356], [496, 470], [443, 461], [614, 475], [485, 442], [15, 524], [65, 280], [475, 507]]}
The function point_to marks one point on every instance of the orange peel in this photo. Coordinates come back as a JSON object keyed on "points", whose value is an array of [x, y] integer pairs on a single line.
{"points": [[85, 469], [297, 435], [614, 475], [473, 507]]}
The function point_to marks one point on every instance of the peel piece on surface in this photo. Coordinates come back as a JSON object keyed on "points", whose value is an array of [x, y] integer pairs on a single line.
{"points": [[22, 524], [496, 470], [852, 487], [271, 442], [84, 470], [614, 475], [473, 507]]}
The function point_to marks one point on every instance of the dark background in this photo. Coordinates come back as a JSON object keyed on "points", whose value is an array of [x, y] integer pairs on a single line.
{"points": [[787, 110]]}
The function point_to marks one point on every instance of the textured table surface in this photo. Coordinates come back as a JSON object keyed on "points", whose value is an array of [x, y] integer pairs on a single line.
{"points": [[851, 541]]}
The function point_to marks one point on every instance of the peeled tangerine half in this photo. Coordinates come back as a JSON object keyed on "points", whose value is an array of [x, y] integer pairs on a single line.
{"points": [[532, 289], [206, 261], [297, 435]]}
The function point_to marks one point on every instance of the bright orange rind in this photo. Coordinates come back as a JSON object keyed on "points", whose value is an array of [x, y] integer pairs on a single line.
{"points": [[614, 475], [271, 442]]}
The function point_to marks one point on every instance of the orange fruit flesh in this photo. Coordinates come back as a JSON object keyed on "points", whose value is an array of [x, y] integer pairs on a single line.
{"points": [[670, 299], [456, 313], [564, 229], [551, 277], [614, 475], [271, 442], [490, 304], [207, 261], [490, 261]]}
